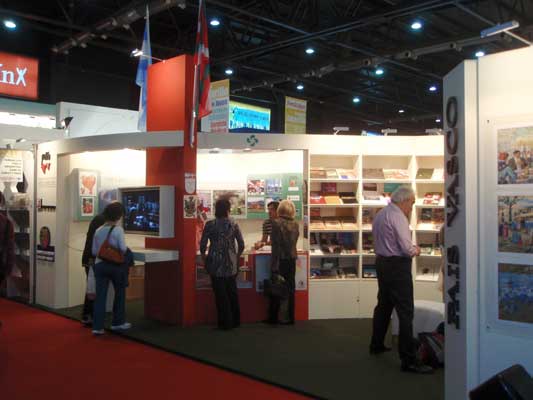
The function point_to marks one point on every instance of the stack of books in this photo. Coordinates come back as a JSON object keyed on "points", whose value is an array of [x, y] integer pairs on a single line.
{"points": [[373, 173], [396, 174], [431, 218], [432, 198], [424, 173], [348, 197]]}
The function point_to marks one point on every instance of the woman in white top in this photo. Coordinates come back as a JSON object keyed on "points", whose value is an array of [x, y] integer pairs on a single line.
{"points": [[105, 271]]}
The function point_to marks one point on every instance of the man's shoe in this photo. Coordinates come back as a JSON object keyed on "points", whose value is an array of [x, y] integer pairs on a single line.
{"points": [[379, 350], [123, 327], [417, 368], [98, 332], [87, 321]]}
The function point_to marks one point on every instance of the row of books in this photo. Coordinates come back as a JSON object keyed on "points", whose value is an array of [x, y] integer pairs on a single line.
{"points": [[430, 249], [332, 243], [431, 215], [332, 173], [434, 174], [342, 272], [378, 173], [333, 223], [432, 198], [332, 198]]}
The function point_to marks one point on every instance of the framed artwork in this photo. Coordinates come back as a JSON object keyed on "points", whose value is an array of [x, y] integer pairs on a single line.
{"points": [[515, 155], [85, 194], [515, 224], [205, 203], [515, 292], [87, 206], [87, 183]]}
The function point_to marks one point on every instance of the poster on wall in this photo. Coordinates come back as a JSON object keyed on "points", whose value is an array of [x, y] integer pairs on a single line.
{"points": [[205, 203], [515, 155], [45, 250], [189, 206], [88, 182], [515, 224], [256, 187], [295, 115], [262, 270], [46, 177], [87, 206], [218, 120], [237, 199], [515, 293], [11, 166], [301, 272]]}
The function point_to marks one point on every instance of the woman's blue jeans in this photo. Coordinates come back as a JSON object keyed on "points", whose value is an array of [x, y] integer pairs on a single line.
{"points": [[104, 273]]}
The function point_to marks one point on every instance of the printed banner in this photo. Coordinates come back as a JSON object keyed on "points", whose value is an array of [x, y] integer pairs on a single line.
{"points": [[11, 166], [19, 76], [295, 115], [217, 121]]}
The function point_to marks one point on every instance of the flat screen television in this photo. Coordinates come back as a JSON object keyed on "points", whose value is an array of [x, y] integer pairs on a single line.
{"points": [[247, 118], [149, 210]]}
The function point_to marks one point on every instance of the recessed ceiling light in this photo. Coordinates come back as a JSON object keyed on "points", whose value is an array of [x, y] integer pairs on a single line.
{"points": [[309, 50], [10, 24], [136, 53], [214, 22], [229, 71], [356, 99], [401, 111], [433, 88], [300, 87], [379, 71], [437, 120], [416, 25], [480, 53]]}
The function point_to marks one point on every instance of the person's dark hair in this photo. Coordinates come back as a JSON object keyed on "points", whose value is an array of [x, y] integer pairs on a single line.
{"points": [[516, 152], [222, 207], [273, 204], [113, 212]]}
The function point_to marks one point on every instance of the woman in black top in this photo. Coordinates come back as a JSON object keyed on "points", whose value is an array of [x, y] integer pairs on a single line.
{"points": [[285, 232], [222, 263]]}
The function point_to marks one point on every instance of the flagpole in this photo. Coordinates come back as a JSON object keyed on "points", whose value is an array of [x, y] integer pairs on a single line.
{"points": [[194, 101]]}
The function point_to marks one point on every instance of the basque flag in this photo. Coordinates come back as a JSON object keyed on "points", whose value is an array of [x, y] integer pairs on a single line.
{"points": [[145, 60], [201, 62]]}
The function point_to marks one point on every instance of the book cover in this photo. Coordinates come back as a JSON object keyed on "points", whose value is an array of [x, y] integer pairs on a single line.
{"points": [[432, 198], [367, 216], [369, 271], [316, 198], [332, 223], [348, 197], [396, 174], [317, 223], [426, 215], [317, 173], [328, 188], [315, 212], [332, 199], [331, 173], [349, 223], [426, 249], [373, 173], [368, 243], [438, 215], [347, 242], [346, 174], [424, 173]]}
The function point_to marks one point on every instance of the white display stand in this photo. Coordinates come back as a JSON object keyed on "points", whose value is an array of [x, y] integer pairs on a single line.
{"points": [[350, 297], [492, 92]]}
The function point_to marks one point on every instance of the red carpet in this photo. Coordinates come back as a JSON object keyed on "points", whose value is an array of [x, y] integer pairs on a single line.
{"points": [[44, 356]]}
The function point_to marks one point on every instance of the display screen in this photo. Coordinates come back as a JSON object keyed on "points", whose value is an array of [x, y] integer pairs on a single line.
{"points": [[142, 210], [245, 117]]}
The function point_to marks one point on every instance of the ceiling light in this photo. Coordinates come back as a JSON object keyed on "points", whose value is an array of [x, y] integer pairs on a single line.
{"points": [[401, 111], [214, 22], [309, 50], [229, 71], [480, 53], [437, 120], [416, 25], [10, 24], [433, 88], [494, 30], [136, 53], [356, 99], [379, 71], [300, 87]]}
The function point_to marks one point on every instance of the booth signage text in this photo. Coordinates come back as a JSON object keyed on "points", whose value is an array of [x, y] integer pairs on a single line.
{"points": [[19, 76]]}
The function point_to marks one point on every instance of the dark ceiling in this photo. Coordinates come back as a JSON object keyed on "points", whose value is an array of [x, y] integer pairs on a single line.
{"points": [[265, 41]]}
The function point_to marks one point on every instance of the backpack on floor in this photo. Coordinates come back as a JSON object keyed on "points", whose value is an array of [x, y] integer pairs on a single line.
{"points": [[431, 349]]}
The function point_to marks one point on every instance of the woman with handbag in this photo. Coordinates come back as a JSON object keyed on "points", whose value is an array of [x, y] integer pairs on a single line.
{"points": [[222, 263], [285, 233], [109, 248]]}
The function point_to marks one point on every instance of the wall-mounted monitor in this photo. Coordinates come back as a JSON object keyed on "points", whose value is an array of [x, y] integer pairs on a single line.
{"points": [[248, 118], [149, 210]]}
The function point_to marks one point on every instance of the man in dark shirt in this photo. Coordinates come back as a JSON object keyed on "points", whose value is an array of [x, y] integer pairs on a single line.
{"points": [[7, 248], [87, 260]]}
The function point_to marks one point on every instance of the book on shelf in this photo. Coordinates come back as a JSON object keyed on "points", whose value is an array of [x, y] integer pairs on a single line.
{"points": [[332, 199], [373, 173], [368, 243], [396, 174], [426, 215], [316, 198], [427, 273], [426, 249], [350, 272], [424, 173], [438, 174], [370, 192], [347, 242], [432, 198], [349, 223], [329, 263], [348, 197], [315, 212], [328, 188], [369, 271], [437, 251], [317, 223], [347, 174], [438, 216], [317, 173], [332, 223], [331, 173]]}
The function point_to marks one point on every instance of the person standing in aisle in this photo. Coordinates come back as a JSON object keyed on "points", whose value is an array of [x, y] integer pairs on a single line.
{"points": [[105, 271], [222, 263], [272, 208], [394, 252], [7, 248], [87, 261], [285, 233]]}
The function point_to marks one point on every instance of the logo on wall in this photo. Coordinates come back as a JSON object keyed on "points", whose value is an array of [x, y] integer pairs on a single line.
{"points": [[19, 76], [252, 140], [46, 162]]}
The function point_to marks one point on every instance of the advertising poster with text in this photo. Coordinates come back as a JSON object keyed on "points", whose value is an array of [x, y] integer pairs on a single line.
{"points": [[217, 121], [295, 115]]}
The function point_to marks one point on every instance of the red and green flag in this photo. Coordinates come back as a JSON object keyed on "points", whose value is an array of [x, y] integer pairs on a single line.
{"points": [[201, 62]]}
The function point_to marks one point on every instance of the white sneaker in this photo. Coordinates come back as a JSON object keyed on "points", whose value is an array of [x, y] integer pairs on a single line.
{"points": [[123, 327], [98, 331]]}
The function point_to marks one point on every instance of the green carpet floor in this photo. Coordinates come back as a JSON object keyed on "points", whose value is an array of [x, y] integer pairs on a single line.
{"points": [[321, 358]]}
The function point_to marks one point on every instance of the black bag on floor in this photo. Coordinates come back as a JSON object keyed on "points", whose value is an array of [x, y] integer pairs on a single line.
{"points": [[431, 349], [276, 287]]}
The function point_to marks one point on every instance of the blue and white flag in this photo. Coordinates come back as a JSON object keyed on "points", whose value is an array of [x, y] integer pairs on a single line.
{"points": [[145, 60]]}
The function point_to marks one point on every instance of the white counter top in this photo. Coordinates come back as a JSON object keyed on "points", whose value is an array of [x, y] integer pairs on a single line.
{"points": [[154, 255]]}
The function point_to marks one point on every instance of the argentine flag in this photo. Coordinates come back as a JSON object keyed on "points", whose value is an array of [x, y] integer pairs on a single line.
{"points": [[141, 79]]}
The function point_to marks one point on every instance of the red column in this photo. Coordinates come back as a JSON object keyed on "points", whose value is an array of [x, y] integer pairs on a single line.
{"points": [[170, 287]]}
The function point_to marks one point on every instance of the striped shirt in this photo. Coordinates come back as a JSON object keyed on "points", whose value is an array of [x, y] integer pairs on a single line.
{"points": [[267, 227]]}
